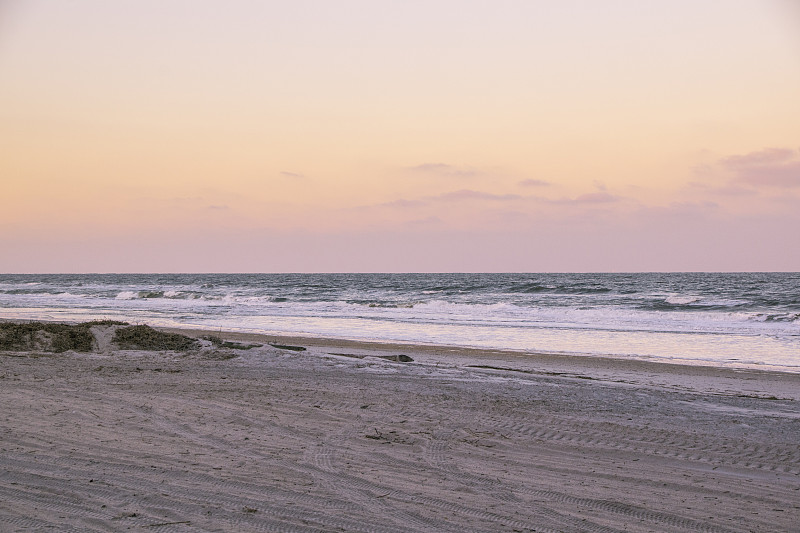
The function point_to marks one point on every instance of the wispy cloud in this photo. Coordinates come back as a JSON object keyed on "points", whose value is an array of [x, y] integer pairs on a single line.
{"points": [[443, 169], [534, 183], [468, 194], [291, 174], [771, 167], [600, 197], [767, 156], [403, 203], [725, 190], [471, 195], [683, 207]]}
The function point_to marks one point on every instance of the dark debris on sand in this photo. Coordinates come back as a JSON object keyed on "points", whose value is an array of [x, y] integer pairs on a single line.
{"points": [[220, 343]]}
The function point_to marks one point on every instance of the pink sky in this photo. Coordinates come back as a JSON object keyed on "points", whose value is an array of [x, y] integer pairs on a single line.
{"points": [[315, 136]]}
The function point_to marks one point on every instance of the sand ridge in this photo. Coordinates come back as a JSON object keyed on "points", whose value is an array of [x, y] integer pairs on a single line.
{"points": [[276, 440]]}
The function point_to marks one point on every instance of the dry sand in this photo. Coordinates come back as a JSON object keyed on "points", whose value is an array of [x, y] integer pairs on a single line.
{"points": [[275, 440]]}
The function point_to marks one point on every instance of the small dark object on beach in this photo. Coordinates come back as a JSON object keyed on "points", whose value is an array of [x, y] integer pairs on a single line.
{"points": [[397, 358], [220, 343], [507, 369], [146, 338], [286, 347]]}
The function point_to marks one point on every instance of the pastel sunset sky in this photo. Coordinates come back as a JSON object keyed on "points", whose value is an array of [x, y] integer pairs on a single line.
{"points": [[399, 136]]}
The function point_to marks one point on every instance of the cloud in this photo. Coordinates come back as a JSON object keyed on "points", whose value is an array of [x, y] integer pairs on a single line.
{"points": [[727, 190], [683, 207], [771, 167], [468, 194], [291, 174], [534, 183], [768, 156], [403, 203], [442, 169], [678, 211], [431, 167], [601, 197]]}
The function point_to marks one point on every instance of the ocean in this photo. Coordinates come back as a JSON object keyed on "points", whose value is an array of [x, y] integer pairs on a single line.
{"points": [[740, 320]]}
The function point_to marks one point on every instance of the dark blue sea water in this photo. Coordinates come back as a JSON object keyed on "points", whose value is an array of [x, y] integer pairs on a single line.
{"points": [[737, 319]]}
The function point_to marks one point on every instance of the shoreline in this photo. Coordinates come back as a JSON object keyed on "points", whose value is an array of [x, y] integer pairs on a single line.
{"points": [[507, 354], [776, 384]]}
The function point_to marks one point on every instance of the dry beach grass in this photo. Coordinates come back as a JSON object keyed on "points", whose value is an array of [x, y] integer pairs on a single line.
{"points": [[221, 438]]}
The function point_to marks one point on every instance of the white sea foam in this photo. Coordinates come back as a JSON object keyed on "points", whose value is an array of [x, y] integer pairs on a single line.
{"points": [[127, 295], [677, 299]]}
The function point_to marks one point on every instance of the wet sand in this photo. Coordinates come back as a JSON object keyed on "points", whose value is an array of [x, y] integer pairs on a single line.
{"points": [[456, 440]]}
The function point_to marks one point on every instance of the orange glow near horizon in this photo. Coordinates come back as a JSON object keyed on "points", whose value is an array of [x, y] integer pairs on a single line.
{"points": [[575, 136]]}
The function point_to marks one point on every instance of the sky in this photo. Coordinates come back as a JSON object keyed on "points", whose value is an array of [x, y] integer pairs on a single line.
{"points": [[399, 136]]}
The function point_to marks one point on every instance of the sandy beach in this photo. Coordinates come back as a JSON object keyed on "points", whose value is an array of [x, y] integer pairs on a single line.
{"points": [[346, 436]]}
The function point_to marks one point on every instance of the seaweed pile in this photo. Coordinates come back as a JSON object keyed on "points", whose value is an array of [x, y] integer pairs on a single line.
{"points": [[57, 338], [144, 337], [50, 337]]}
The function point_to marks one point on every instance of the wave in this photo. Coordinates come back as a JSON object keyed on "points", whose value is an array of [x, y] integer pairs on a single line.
{"points": [[529, 288], [127, 295], [777, 317], [14, 292], [677, 302], [682, 300], [582, 289], [535, 287], [153, 294], [50, 291]]}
